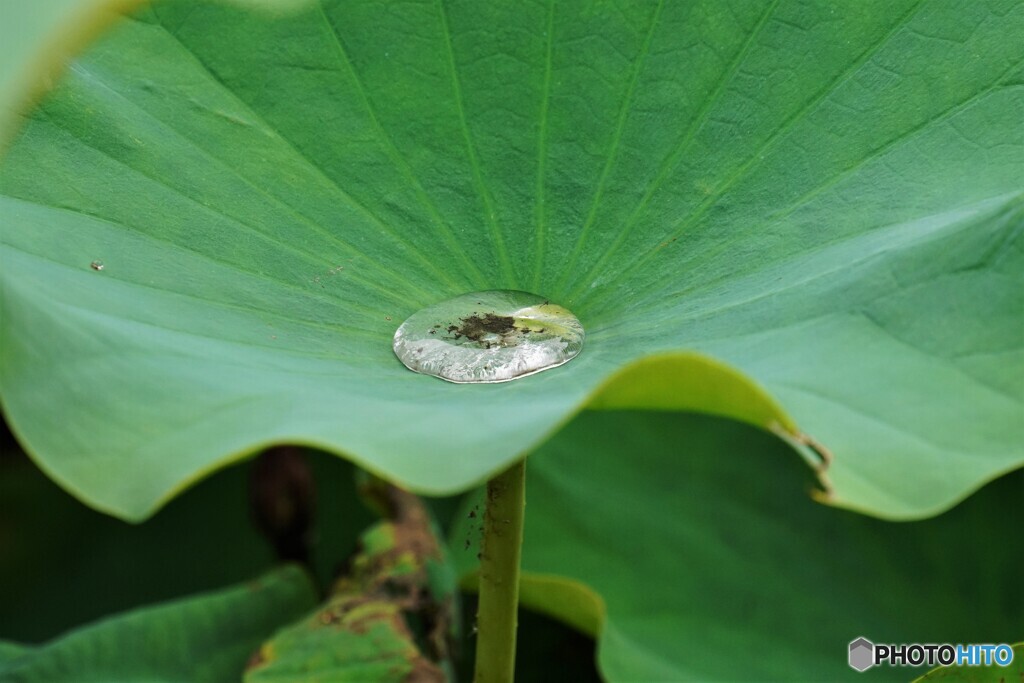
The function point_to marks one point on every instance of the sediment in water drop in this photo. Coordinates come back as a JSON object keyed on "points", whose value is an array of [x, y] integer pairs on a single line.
{"points": [[492, 336]]}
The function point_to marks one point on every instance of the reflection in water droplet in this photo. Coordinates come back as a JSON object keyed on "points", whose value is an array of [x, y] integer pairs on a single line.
{"points": [[493, 336]]}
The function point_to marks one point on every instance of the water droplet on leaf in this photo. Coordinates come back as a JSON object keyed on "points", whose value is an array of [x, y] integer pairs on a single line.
{"points": [[492, 336]]}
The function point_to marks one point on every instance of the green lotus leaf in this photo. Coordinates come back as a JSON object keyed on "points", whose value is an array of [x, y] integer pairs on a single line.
{"points": [[207, 637], [11, 651], [688, 564], [806, 216]]}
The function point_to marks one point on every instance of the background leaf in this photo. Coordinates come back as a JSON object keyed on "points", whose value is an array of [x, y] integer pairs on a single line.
{"points": [[206, 638], [64, 565], [690, 564], [11, 651], [823, 198], [390, 617]]}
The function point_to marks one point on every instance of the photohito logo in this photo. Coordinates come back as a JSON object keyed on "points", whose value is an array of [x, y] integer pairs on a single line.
{"points": [[864, 654]]}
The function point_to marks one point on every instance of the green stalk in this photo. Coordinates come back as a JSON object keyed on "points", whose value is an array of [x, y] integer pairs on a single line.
{"points": [[500, 550]]}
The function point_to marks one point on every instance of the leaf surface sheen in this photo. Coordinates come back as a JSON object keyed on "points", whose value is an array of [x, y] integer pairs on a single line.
{"points": [[825, 199]]}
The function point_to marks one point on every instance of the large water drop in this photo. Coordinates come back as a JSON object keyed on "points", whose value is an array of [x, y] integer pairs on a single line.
{"points": [[492, 336]]}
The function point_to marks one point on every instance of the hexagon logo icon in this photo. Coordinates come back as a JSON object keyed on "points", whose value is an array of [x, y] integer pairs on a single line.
{"points": [[862, 654]]}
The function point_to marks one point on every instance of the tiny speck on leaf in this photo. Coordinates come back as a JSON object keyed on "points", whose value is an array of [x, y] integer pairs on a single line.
{"points": [[97, 265]]}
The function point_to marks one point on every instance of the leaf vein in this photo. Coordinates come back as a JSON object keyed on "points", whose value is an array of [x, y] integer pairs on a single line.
{"points": [[613, 150], [672, 159], [349, 199], [542, 152], [396, 157], [80, 69], [786, 125], [485, 198], [200, 254]]}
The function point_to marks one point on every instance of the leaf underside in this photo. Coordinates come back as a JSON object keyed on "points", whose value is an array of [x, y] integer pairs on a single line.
{"points": [[824, 199]]}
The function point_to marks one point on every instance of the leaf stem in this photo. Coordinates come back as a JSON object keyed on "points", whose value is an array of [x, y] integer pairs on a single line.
{"points": [[500, 550]]}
